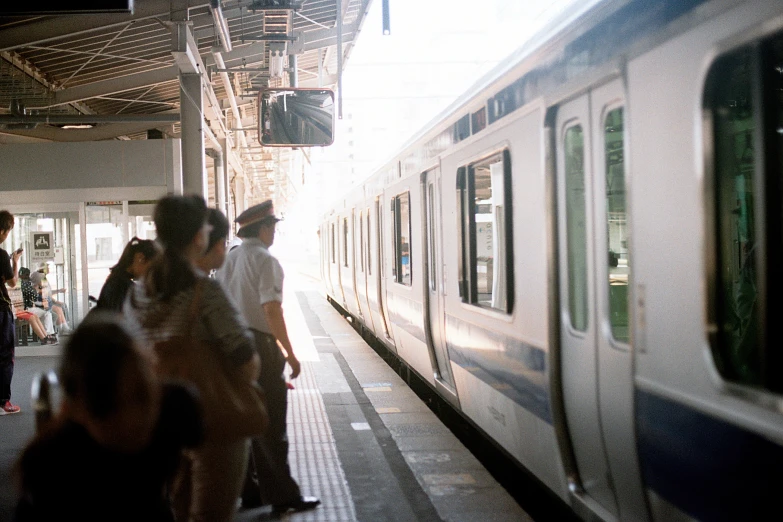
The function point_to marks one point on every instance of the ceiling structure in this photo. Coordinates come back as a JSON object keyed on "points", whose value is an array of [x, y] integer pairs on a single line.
{"points": [[116, 76]]}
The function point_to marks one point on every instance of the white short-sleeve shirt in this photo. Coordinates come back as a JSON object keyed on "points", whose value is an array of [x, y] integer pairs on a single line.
{"points": [[252, 277]]}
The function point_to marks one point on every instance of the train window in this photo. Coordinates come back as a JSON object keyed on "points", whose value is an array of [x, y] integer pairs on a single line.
{"points": [[744, 97], [462, 276], [485, 205], [345, 242], [369, 245], [334, 260], [393, 207], [361, 242], [576, 233], [402, 238], [478, 120], [431, 233], [616, 226]]}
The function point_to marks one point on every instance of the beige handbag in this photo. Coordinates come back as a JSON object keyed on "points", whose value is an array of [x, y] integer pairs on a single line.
{"points": [[233, 408]]}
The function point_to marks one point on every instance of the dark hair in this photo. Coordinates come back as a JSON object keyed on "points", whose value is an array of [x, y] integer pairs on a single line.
{"points": [[6, 220], [177, 219], [220, 227], [145, 247], [93, 360]]}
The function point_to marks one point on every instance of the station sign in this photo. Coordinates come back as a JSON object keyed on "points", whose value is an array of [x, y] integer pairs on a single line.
{"points": [[43, 246]]}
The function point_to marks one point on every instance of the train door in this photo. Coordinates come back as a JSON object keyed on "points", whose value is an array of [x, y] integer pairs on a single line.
{"points": [[578, 326], [432, 282]]}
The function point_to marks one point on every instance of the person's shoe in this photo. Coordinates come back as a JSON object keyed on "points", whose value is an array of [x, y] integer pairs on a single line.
{"points": [[9, 408], [301, 504]]}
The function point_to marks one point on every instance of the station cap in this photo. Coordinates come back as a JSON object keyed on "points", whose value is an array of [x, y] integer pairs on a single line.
{"points": [[261, 213]]}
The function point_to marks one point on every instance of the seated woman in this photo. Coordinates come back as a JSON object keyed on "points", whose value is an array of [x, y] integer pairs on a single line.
{"points": [[17, 301], [134, 262], [44, 298], [30, 296], [118, 435]]}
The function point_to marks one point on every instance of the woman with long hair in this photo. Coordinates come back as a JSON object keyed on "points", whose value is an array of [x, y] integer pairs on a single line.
{"points": [[175, 299], [136, 258]]}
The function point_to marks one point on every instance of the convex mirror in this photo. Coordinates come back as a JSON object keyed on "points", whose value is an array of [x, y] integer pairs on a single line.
{"points": [[293, 117]]}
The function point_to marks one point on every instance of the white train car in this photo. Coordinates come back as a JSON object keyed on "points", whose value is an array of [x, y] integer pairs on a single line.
{"points": [[580, 254]]}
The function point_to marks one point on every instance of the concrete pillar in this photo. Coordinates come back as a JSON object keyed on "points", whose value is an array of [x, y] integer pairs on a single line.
{"points": [[194, 178], [221, 178]]}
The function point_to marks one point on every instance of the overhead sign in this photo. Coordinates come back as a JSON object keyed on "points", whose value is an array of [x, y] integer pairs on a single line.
{"points": [[43, 245]]}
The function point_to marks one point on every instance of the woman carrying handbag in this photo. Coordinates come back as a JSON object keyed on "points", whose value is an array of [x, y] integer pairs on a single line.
{"points": [[199, 337]]}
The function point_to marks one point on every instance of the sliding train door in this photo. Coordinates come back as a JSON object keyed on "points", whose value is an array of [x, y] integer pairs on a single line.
{"points": [[595, 268], [433, 282]]}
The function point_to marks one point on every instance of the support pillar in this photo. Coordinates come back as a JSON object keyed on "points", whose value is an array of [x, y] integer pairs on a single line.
{"points": [[194, 178], [221, 178]]}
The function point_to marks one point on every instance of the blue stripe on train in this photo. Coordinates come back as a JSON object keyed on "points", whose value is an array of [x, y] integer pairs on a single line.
{"points": [[510, 366], [708, 468]]}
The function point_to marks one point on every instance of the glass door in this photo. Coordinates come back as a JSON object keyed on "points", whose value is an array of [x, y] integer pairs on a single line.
{"points": [[104, 237]]}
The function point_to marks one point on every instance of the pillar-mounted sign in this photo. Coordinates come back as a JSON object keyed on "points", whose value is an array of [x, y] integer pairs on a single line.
{"points": [[43, 245]]}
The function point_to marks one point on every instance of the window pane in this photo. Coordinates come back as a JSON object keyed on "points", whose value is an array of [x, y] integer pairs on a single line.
{"points": [[735, 162], [395, 239], [462, 247], [616, 229], [345, 241], [488, 214], [576, 231], [361, 243], [404, 238], [431, 234], [369, 245]]}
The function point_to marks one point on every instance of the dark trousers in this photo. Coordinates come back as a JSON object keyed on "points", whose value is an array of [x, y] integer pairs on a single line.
{"points": [[7, 342], [269, 478]]}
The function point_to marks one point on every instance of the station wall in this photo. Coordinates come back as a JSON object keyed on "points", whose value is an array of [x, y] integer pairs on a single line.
{"points": [[84, 165]]}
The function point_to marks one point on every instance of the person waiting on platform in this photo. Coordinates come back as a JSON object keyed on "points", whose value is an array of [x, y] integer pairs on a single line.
{"points": [[133, 264], [18, 302], [30, 296], [45, 299], [117, 437], [215, 254]]}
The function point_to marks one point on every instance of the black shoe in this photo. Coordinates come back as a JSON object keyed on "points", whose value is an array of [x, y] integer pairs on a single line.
{"points": [[301, 504]]}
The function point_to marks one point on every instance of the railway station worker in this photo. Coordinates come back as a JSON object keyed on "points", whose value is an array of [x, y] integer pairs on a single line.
{"points": [[254, 278], [9, 275]]}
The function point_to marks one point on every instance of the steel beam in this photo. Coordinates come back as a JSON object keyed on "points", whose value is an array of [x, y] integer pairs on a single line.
{"points": [[47, 29]]}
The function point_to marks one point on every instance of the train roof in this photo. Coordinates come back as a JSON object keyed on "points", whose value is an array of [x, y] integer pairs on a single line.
{"points": [[594, 34]]}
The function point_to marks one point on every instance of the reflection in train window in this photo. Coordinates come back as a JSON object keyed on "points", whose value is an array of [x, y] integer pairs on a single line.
{"points": [[402, 238], [747, 161], [485, 207], [616, 226], [576, 232]]}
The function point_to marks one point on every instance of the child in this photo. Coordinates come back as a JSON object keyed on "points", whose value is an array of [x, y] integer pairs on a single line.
{"points": [[116, 442]]}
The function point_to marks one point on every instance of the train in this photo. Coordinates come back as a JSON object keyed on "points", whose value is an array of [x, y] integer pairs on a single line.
{"points": [[579, 255]]}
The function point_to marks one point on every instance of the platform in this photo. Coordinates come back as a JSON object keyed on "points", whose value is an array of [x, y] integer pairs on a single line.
{"points": [[363, 442], [360, 439]]}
